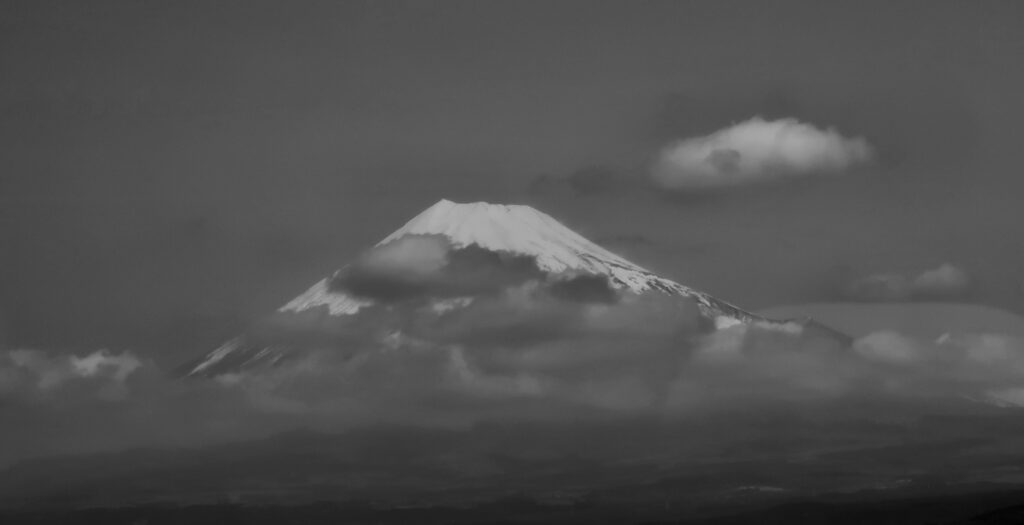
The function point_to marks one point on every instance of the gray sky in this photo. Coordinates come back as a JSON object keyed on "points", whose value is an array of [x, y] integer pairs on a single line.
{"points": [[169, 170]]}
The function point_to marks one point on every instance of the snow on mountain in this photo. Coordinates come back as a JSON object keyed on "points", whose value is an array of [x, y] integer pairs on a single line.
{"points": [[510, 229], [521, 230]]}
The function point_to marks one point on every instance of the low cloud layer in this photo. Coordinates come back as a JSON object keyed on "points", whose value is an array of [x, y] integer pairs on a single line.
{"points": [[617, 365], [446, 351], [617, 361], [758, 151], [36, 375], [942, 283]]}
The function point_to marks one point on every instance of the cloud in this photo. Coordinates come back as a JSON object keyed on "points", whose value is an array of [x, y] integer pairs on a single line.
{"points": [[415, 254], [584, 288], [600, 357], [751, 364], [624, 360], [394, 271], [472, 328], [419, 266], [758, 151], [945, 282], [29, 373], [879, 288], [891, 348], [616, 394], [462, 337]]}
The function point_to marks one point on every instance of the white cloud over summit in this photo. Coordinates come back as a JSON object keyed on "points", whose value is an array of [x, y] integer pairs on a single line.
{"points": [[758, 151]]}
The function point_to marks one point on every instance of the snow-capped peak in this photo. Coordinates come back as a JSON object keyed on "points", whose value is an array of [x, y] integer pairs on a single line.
{"points": [[512, 228], [520, 230], [506, 229]]}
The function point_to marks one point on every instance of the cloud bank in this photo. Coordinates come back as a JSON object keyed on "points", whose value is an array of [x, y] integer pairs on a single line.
{"points": [[612, 365], [439, 348], [942, 283], [758, 151]]}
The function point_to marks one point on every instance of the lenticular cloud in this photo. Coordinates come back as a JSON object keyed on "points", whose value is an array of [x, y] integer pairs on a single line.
{"points": [[758, 151]]}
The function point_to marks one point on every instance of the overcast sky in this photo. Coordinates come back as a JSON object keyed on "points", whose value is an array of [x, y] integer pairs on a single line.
{"points": [[169, 170]]}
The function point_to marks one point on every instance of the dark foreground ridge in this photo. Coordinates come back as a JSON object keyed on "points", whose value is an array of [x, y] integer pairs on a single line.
{"points": [[992, 508]]}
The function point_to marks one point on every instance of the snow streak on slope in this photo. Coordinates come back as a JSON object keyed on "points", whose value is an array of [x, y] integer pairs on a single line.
{"points": [[522, 230]]}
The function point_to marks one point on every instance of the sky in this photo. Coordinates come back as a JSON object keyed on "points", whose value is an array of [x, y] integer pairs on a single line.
{"points": [[170, 171]]}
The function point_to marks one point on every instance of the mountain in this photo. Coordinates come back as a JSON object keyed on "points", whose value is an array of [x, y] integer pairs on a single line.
{"points": [[500, 236], [522, 230]]}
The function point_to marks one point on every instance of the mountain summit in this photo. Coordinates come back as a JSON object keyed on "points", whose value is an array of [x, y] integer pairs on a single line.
{"points": [[521, 230], [498, 235]]}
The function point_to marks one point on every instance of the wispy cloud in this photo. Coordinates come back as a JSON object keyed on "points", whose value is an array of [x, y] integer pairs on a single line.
{"points": [[30, 373], [944, 282]]}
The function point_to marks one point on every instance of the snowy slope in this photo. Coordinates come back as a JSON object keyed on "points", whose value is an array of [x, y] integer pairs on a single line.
{"points": [[513, 229], [525, 231]]}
